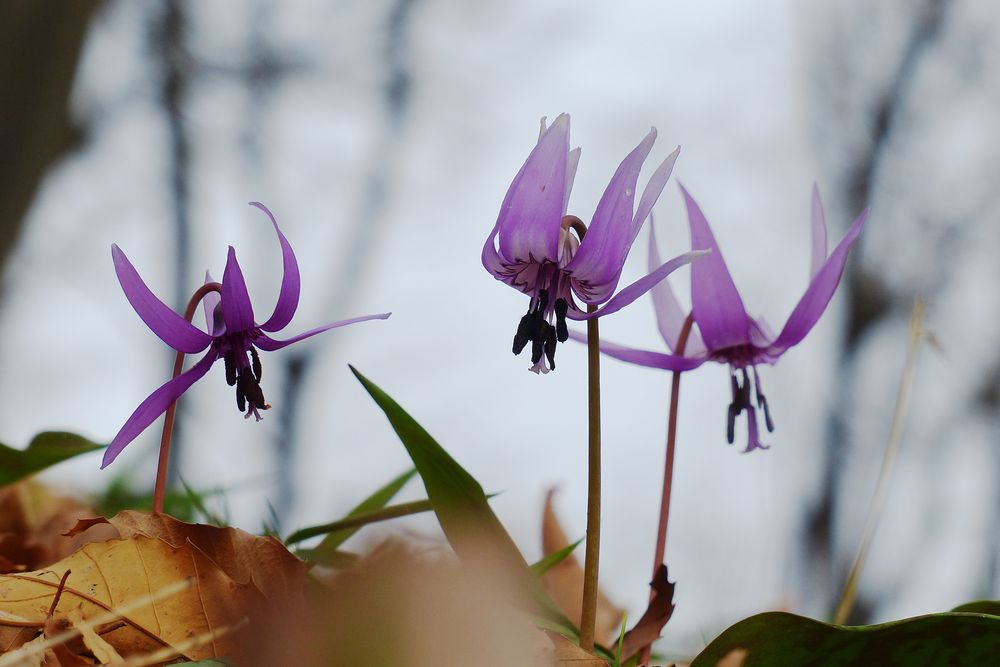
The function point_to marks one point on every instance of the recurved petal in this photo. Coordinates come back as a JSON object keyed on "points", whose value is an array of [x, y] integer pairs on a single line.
{"points": [[641, 286], [288, 296], [812, 304], [268, 344], [669, 362], [528, 223], [652, 192], [818, 226], [669, 314], [603, 249], [715, 301], [237, 310], [155, 405], [172, 329]]}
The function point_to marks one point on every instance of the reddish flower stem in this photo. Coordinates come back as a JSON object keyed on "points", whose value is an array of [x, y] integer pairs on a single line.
{"points": [[591, 563], [168, 420], [668, 468]]}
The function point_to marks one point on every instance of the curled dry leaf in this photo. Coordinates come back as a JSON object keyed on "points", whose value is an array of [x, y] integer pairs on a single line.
{"points": [[564, 582], [234, 578], [659, 611], [32, 521]]}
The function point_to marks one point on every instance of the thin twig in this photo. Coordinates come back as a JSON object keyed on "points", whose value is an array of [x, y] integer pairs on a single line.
{"points": [[917, 334]]}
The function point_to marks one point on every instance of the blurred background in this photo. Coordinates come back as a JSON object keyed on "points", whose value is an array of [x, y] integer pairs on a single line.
{"points": [[384, 134]]}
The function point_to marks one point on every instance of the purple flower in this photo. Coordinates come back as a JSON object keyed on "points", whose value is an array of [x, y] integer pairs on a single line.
{"points": [[232, 336], [533, 249], [723, 331]]}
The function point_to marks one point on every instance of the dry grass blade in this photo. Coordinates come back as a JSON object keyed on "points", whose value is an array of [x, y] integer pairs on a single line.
{"points": [[171, 652], [917, 334]]}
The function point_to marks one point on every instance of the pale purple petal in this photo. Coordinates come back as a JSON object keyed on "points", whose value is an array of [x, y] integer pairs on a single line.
{"points": [[213, 314], [646, 358], [172, 329], [812, 304], [641, 286], [573, 161], [288, 296], [268, 344], [236, 308], [155, 405], [654, 188], [669, 314], [529, 218], [715, 301], [818, 225], [599, 260]]}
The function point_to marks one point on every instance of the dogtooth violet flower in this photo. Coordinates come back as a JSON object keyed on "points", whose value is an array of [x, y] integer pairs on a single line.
{"points": [[722, 330], [533, 247], [233, 335]]}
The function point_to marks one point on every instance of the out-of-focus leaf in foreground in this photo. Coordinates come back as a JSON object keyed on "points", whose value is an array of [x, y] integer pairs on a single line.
{"points": [[44, 450], [779, 639], [463, 510], [564, 581], [222, 584]]}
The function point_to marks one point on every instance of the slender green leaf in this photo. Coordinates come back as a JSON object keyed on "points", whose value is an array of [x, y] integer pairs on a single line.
{"points": [[778, 639], [340, 530], [980, 607], [554, 558], [44, 450], [343, 528], [462, 507]]}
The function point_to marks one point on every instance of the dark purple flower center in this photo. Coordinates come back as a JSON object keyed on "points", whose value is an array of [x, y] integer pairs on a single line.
{"points": [[743, 388], [536, 328], [244, 374]]}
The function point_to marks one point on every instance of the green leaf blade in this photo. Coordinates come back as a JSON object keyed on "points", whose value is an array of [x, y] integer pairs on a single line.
{"points": [[45, 450]]}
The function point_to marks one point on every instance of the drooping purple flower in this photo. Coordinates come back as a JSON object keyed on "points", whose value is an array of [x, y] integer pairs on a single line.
{"points": [[533, 247], [722, 330], [232, 335]]}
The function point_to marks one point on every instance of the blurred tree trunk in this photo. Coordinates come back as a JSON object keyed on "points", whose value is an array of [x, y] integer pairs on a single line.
{"points": [[40, 45]]}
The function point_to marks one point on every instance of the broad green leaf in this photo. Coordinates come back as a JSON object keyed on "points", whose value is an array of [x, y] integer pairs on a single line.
{"points": [[980, 607], [337, 532], [462, 507], [777, 639], [554, 558], [44, 450]]}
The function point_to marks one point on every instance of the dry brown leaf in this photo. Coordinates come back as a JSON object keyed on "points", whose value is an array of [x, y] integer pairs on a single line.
{"points": [[32, 521], [659, 611], [154, 553], [564, 582], [102, 650], [262, 562]]}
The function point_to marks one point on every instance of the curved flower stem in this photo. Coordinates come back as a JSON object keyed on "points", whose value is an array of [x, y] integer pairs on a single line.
{"points": [[168, 419], [668, 468], [588, 612], [917, 334]]}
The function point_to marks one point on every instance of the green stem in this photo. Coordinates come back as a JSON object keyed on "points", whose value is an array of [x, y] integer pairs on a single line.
{"points": [[668, 468], [162, 465], [888, 461], [588, 613]]}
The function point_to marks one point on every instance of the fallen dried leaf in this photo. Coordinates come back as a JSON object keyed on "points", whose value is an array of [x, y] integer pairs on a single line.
{"points": [[568, 654], [659, 611], [32, 520], [564, 581], [236, 577]]}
